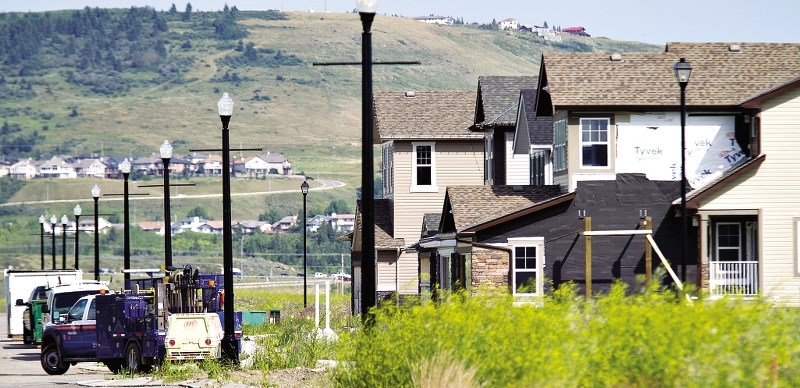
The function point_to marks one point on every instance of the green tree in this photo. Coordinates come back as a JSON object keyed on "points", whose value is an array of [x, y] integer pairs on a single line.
{"points": [[173, 9], [187, 13], [198, 212], [338, 206]]}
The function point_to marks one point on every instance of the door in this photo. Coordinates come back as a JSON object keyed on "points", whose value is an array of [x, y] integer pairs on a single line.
{"points": [[71, 335]]}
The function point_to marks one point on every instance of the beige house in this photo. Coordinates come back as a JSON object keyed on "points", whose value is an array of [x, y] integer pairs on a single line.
{"points": [[425, 146], [741, 168], [23, 169]]}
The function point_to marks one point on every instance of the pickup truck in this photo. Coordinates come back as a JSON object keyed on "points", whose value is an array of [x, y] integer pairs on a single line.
{"points": [[72, 339]]}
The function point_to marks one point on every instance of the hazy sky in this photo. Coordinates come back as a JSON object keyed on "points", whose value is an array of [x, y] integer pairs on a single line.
{"points": [[653, 21]]}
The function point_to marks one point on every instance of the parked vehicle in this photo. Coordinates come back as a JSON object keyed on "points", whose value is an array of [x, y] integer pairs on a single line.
{"points": [[177, 316], [32, 332], [19, 285]]}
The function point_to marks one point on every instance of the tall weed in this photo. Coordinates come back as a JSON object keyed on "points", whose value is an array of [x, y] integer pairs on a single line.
{"points": [[647, 339]]}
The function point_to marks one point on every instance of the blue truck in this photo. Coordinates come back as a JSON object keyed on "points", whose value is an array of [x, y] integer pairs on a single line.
{"points": [[130, 330]]}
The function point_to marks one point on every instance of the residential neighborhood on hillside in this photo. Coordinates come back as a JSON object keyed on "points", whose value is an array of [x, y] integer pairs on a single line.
{"points": [[86, 166]]}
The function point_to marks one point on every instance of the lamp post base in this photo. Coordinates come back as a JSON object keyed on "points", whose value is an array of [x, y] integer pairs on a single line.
{"points": [[230, 350]]}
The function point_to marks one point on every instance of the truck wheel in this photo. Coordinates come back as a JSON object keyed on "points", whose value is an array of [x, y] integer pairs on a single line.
{"points": [[115, 366], [52, 363], [133, 357]]}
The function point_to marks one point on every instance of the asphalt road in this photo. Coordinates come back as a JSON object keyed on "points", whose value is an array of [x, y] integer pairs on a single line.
{"points": [[20, 367]]}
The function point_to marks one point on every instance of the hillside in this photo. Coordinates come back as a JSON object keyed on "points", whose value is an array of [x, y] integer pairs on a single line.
{"points": [[165, 81]]}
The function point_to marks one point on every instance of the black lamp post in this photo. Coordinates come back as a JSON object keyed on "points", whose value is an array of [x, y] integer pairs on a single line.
{"points": [[366, 9], [230, 351], [77, 212], [166, 154], [683, 70], [53, 221], [96, 197], [304, 189], [42, 220], [64, 221], [125, 169]]}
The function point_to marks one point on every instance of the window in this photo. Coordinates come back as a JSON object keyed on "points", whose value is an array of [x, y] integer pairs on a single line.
{"points": [[387, 169], [527, 266], [538, 168], [729, 242], [488, 161], [560, 145], [594, 142], [423, 172], [92, 311]]}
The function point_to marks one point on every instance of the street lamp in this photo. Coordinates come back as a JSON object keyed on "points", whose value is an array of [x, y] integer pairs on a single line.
{"points": [[77, 212], [64, 221], [42, 220], [366, 10], [166, 154], [683, 70], [96, 197], [230, 351], [304, 189], [125, 169], [53, 221]]}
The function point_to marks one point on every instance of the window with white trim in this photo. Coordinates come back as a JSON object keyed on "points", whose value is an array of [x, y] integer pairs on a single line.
{"points": [[729, 241], [538, 167], [594, 142], [560, 145], [527, 266], [423, 169]]}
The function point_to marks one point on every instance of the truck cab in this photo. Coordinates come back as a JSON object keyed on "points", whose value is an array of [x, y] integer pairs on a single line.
{"points": [[72, 338], [32, 316]]}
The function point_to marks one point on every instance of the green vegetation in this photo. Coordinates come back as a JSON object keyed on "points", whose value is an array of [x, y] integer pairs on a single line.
{"points": [[643, 340]]}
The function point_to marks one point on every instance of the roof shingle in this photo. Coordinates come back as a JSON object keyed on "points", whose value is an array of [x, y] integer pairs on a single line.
{"points": [[498, 98], [473, 205], [720, 76], [425, 115]]}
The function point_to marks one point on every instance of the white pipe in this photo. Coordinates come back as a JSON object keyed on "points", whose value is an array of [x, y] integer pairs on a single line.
{"points": [[327, 305], [316, 308]]}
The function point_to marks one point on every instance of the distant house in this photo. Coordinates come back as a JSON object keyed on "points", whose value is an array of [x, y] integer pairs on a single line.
{"points": [[547, 33], [4, 170], [441, 20], [343, 222], [213, 227], [190, 224], [148, 165], [56, 167], [212, 165], [90, 168], [24, 169], [313, 223], [269, 163], [285, 224], [509, 24], [579, 31], [250, 227], [87, 225], [152, 226]]}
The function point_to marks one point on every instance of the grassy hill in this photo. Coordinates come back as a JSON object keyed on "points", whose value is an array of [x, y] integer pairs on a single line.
{"points": [[124, 95]]}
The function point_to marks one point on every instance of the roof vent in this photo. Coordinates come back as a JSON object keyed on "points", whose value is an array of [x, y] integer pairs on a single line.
{"points": [[735, 48], [615, 57], [411, 94]]}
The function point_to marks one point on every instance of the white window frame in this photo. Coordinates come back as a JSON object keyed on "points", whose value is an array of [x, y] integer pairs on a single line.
{"points": [[547, 172], [717, 248], [607, 142], [520, 242], [560, 145], [415, 188]]}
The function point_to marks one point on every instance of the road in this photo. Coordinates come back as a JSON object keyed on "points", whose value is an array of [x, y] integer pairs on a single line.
{"points": [[20, 367], [325, 184]]}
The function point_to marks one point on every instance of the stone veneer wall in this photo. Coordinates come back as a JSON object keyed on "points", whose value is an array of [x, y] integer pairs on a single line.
{"points": [[490, 268]]}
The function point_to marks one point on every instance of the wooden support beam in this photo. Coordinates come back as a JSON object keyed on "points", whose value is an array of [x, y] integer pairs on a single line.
{"points": [[648, 254], [587, 227]]}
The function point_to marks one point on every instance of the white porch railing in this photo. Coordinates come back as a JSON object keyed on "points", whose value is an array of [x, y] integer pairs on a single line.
{"points": [[733, 278]]}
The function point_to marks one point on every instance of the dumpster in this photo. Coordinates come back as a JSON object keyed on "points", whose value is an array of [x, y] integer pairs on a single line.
{"points": [[254, 318]]}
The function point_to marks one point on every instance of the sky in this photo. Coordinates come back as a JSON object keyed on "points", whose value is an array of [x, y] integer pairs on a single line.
{"points": [[651, 21]]}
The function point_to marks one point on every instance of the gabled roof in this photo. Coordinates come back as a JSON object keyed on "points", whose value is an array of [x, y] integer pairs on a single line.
{"points": [[424, 115], [537, 130], [384, 230], [498, 97], [430, 224], [474, 205], [724, 75], [270, 157]]}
